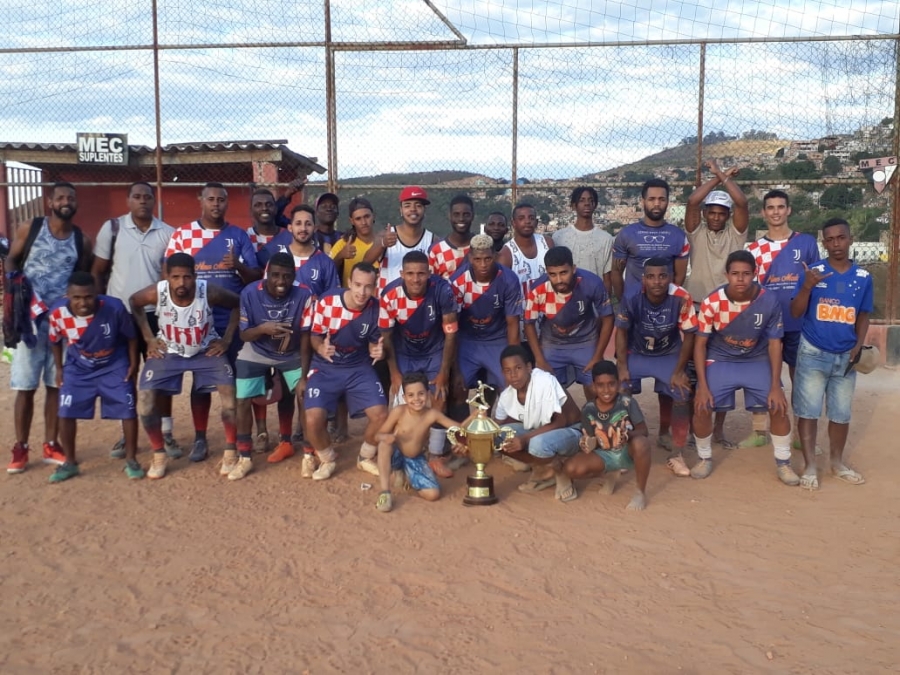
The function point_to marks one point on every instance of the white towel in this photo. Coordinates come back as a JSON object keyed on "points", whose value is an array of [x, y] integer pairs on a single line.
{"points": [[544, 398]]}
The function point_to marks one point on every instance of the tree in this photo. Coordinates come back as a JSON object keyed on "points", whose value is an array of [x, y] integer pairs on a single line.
{"points": [[839, 197], [799, 170], [832, 166]]}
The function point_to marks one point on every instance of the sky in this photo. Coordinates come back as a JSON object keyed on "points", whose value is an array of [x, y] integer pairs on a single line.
{"points": [[580, 109]]}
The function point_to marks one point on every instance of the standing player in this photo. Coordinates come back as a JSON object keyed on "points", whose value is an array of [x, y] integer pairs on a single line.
{"points": [[222, 255], [101, 362], [263, 212], [649, 343], [315, 269], [524, 253], [448, 254], [326, 236], [591, 245], [352, 247], [712, 239], [187, 342], [575, 317], [781, 257], [418, 320], [345, 340], [390, 247], [274, 325], [739, 347], [834, 299], [490, 307], [497, 227]]}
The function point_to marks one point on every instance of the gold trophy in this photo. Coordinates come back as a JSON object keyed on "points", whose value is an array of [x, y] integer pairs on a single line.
{"points": [[482, 437]]}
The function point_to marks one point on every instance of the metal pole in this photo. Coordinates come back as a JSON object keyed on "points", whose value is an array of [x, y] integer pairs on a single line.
{"points": [[891, 309], [159, 170], [515, 125], [701, 86], [331, 109]]}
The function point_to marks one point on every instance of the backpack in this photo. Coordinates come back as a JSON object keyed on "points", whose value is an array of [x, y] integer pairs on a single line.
{"points": [[114, 228]]}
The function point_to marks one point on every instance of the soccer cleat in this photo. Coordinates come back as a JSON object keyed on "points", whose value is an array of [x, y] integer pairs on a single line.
{"points": [[241, 469], [702, 469], [200, 451], [282, 451], [261, 442], [158, 466], [786, 475], [229, 462], [308, 467], [118, 450], [133, 470], [325, 471], [367, 464], [53, 454], [19, 459], [64, 471], [173, 450]]}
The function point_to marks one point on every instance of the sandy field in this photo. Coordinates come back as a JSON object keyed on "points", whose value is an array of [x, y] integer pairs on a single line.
{"points": [[274, 574]]}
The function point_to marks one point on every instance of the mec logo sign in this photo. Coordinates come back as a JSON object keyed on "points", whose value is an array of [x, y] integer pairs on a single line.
{"points": [[102, 148]]}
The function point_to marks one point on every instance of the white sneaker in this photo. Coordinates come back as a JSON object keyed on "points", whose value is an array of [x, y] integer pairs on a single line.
{"points": [[158, 466], [229, 462], [367, 464], [241, 469], [308, 466], [325, 471]]}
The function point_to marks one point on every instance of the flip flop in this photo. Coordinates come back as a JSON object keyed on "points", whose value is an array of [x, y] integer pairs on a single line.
{"points": [[726, 444], [385, 503], [535, 486], [565, 491], [809, 482], [849, 476]]}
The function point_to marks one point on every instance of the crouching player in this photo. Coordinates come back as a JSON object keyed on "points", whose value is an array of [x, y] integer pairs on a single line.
{"points": [[402, 441], [274, 325], [101, 362], [614, 437]]}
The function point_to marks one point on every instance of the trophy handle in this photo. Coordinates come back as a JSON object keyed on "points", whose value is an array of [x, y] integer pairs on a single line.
{"points": [[452, 436], [503, 434]]}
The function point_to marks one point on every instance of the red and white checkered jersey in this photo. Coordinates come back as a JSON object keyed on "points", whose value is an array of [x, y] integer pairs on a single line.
{"points": [[65, 325], [444, 259], [190, 238], [258, 240], [397, 307], [717, 311], [543, 300], [764, 251]]}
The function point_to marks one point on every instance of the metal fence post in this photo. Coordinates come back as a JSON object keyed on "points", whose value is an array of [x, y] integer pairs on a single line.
{"points": [[701, 87], [515, 126]]}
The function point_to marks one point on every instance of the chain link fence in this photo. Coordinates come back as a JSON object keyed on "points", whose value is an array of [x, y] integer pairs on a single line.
{"points": [[492, 99]]}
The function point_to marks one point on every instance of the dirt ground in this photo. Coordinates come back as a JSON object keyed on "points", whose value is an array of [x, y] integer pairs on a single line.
{"points": [[274, 574]]}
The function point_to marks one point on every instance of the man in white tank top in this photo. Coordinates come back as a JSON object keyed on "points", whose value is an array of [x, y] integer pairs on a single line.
{"points": [[524, 253], [390, 246], [187, 342]]}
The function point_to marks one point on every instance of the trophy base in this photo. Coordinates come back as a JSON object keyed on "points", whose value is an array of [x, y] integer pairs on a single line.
{"points": [[480, 491]]}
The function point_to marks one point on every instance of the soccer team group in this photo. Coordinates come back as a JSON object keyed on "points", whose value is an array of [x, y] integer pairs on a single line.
{"points": [[396, 326]]}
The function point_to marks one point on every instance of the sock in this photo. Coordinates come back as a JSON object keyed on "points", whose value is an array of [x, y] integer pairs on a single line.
{"points": [[199, 435], [285, 419], [327, 455], [367, 450], [167, 426], [782, 445], [244, 445], [200, 405], [230, 428], [151, 425], [704, 447], [436, 438]]}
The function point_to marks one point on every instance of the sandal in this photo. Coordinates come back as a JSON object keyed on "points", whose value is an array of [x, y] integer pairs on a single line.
{"points": [[385, 503], [678, 467], [534, 486], [565, 489]]}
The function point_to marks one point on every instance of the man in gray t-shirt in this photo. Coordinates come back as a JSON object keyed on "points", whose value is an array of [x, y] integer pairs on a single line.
{"points": [[591, 245]]}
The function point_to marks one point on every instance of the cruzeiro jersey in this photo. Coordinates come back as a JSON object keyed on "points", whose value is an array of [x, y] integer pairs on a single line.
{"points": [[295, 309], [638, 242], [573, 318], [418, 321], [188, 330], [655, 330], [208, 248], [484, 307], [739, 331], [444, 258], [779, 264], [96, 344], [350, 331]]}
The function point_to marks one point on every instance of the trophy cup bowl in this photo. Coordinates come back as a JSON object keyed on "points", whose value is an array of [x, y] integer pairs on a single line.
{"points": [[482, 436]]}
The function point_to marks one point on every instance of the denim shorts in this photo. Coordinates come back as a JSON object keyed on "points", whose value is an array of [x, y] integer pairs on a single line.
{"points": [[28, 364], [819, 377], [562, 442]]}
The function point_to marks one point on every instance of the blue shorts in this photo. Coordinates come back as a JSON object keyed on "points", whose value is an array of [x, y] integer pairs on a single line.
{"points": [[166, 374], [724, 378], [29, 364], [568, 362], [615, 460], [660, 368], [562, 442], [236, 343], [250, 380], [417, 471], [78, 396], [474, 355], [820, 377], [790, 343], [430, 364], [359, 384]]}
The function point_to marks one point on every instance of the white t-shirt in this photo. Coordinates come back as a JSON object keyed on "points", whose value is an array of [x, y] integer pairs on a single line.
{"points": [[591, 249], [543, 399]]}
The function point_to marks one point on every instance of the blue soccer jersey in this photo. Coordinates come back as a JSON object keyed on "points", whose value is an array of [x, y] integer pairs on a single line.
{"points": [[418, 322], [258, 307], [739, 331], [484, 307], [317, 272], [98, 344], [350, 331], [638, 242], [280, 242], [655, 330], [573, 318], [208, 248], [779, 265], [834, 305]]}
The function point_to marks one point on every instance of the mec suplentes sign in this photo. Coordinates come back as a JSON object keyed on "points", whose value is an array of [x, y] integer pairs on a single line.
{"points": [[102, 149]]}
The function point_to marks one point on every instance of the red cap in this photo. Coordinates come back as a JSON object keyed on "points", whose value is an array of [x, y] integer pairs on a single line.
{"points": [[414, 192]]}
